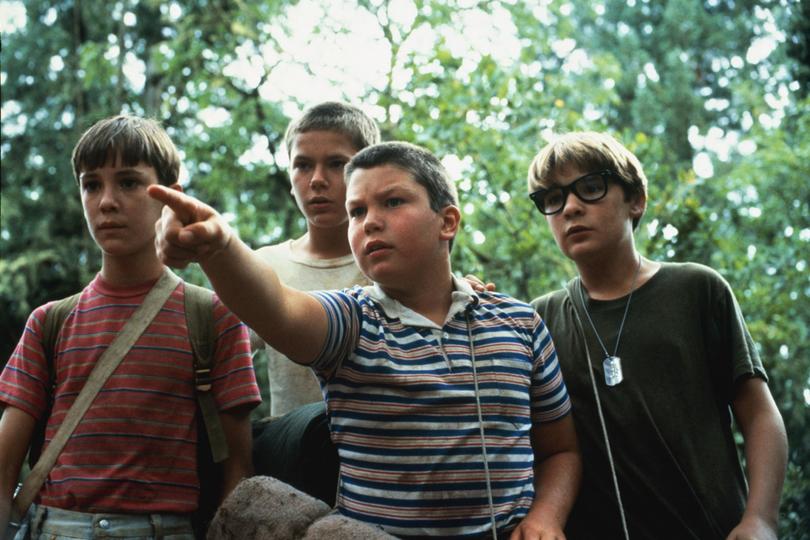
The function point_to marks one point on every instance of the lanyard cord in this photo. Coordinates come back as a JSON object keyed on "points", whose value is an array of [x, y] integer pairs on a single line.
{"points": [[481, 424], [624, 317], [602, 422]]}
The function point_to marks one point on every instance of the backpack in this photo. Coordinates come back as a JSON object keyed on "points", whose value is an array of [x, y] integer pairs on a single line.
{"points": [[212, 448]]}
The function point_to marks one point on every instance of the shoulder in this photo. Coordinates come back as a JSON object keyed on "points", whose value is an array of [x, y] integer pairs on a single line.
{"points": [[551, 300], [347, 300], [356, 293], [202, 305], [496, 300], [679, 274], [278, 247], [60, 308], [689, 269], [275, 252], [509, 310]]}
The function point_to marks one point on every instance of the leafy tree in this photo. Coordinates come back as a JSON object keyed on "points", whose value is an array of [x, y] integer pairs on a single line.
{"points": [[677, 81], [146, 58]]}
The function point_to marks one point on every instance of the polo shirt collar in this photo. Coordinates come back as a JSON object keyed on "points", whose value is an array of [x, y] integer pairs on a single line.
{"points": [[462, 296]]}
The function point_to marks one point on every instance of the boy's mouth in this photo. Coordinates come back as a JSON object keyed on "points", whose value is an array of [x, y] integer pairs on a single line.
{"points": [[109, 225], [576, 229], [375, 245]]}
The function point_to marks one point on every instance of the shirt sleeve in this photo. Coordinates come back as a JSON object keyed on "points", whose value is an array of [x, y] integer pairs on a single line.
{"points": [[549, 396], [24, 380], [734, 340], [233, 374], [343, 317]]}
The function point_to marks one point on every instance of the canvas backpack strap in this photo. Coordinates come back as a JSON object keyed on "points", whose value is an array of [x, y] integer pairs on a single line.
{"points": [[200, 322], [54, 320], [105, 366]]}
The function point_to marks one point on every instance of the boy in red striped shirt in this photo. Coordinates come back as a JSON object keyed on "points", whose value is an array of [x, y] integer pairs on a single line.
{"points": [[130, 467]]}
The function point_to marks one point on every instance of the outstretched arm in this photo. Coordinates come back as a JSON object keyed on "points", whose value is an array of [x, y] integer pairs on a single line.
{"points": [[766, 455], [557, 474], [189, 231]]}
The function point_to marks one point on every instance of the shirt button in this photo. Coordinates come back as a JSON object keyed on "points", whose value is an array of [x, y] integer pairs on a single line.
{"points": [[104, 524], [446, 335]]}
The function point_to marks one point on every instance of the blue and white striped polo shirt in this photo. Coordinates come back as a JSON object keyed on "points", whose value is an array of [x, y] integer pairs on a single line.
{"points": [[401, 398]]}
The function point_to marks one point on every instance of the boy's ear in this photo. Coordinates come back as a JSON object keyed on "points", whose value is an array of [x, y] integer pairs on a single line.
{"points": [[451, 220], [177, 187], [638, 206]]}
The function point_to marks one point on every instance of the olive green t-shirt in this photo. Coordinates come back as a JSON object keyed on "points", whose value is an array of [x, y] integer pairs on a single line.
{"points": [[683, 348]]}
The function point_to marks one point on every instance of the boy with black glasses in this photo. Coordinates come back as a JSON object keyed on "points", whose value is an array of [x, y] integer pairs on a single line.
{"points": [[657, 358]]}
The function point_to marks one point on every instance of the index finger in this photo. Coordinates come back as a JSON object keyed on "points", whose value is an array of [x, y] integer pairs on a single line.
{"points": [[184, 207]]}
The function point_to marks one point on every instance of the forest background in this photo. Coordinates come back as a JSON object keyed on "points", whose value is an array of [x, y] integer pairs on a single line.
{"points": [[711, 95]]}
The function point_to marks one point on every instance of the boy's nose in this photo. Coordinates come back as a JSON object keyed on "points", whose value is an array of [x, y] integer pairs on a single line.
{"points": [[108, 201], [572, 204], [319, 179], [372, 221]]}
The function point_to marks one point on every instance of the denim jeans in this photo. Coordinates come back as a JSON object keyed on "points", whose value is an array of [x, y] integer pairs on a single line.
{"points": [[57, 524]]}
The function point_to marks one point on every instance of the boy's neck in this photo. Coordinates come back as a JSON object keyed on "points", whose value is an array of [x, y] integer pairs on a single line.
{"points": [[431, 297], [129, 271], [323, 243], [613, 277]]}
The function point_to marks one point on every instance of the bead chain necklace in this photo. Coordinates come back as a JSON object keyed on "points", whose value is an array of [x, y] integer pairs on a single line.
{"points": [[611, 365]]}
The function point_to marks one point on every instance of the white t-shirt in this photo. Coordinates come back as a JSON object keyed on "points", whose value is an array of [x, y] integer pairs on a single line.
{"points": [[291, 384]]}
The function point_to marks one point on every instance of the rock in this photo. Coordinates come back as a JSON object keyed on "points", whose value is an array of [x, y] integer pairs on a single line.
{"points": [[337, 527], [262, 508]]}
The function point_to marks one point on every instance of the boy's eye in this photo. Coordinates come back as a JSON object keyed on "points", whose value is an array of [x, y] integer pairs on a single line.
{"points": [[301, 166], [337, 164], [357, 212], [129, 183], [591, 186], [553, 198], [90, 186], [393, 202]]}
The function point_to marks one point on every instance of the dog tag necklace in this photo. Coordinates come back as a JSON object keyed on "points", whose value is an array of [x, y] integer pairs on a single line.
{"points": [[611, 365]]}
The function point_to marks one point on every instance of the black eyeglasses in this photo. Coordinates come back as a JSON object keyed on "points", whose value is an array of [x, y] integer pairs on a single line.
{"points": [[588, 188]]}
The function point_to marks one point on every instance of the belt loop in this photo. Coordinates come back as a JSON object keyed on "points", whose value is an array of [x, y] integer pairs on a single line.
{"points": [[157, 526], [39, 515]]}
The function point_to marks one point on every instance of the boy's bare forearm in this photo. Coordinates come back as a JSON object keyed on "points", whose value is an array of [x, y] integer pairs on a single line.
{"points": [[557, 481], [16, 428], [766, 457], [239, 465], [248, 286], [558, 472], [290, 320]]}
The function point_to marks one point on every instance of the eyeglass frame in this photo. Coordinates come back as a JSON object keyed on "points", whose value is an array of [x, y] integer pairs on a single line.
{"points": [[604, 174]]}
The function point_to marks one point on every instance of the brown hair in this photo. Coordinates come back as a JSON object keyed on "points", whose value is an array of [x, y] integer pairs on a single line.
{"points": [[360, 129], [424, 167], [131, 139]]}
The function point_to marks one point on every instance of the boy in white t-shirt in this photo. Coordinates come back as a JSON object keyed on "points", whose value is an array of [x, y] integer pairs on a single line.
{"points": [[319, 143]]}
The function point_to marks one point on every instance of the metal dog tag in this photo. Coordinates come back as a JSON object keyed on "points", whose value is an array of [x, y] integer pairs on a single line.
{"points": [[612, 366]]}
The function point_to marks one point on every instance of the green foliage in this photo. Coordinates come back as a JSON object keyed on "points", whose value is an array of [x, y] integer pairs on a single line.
{"points": [[664, 77]]}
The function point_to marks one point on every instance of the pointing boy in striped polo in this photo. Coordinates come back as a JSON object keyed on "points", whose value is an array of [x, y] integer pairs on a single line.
{"points": [[447, 406]]}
